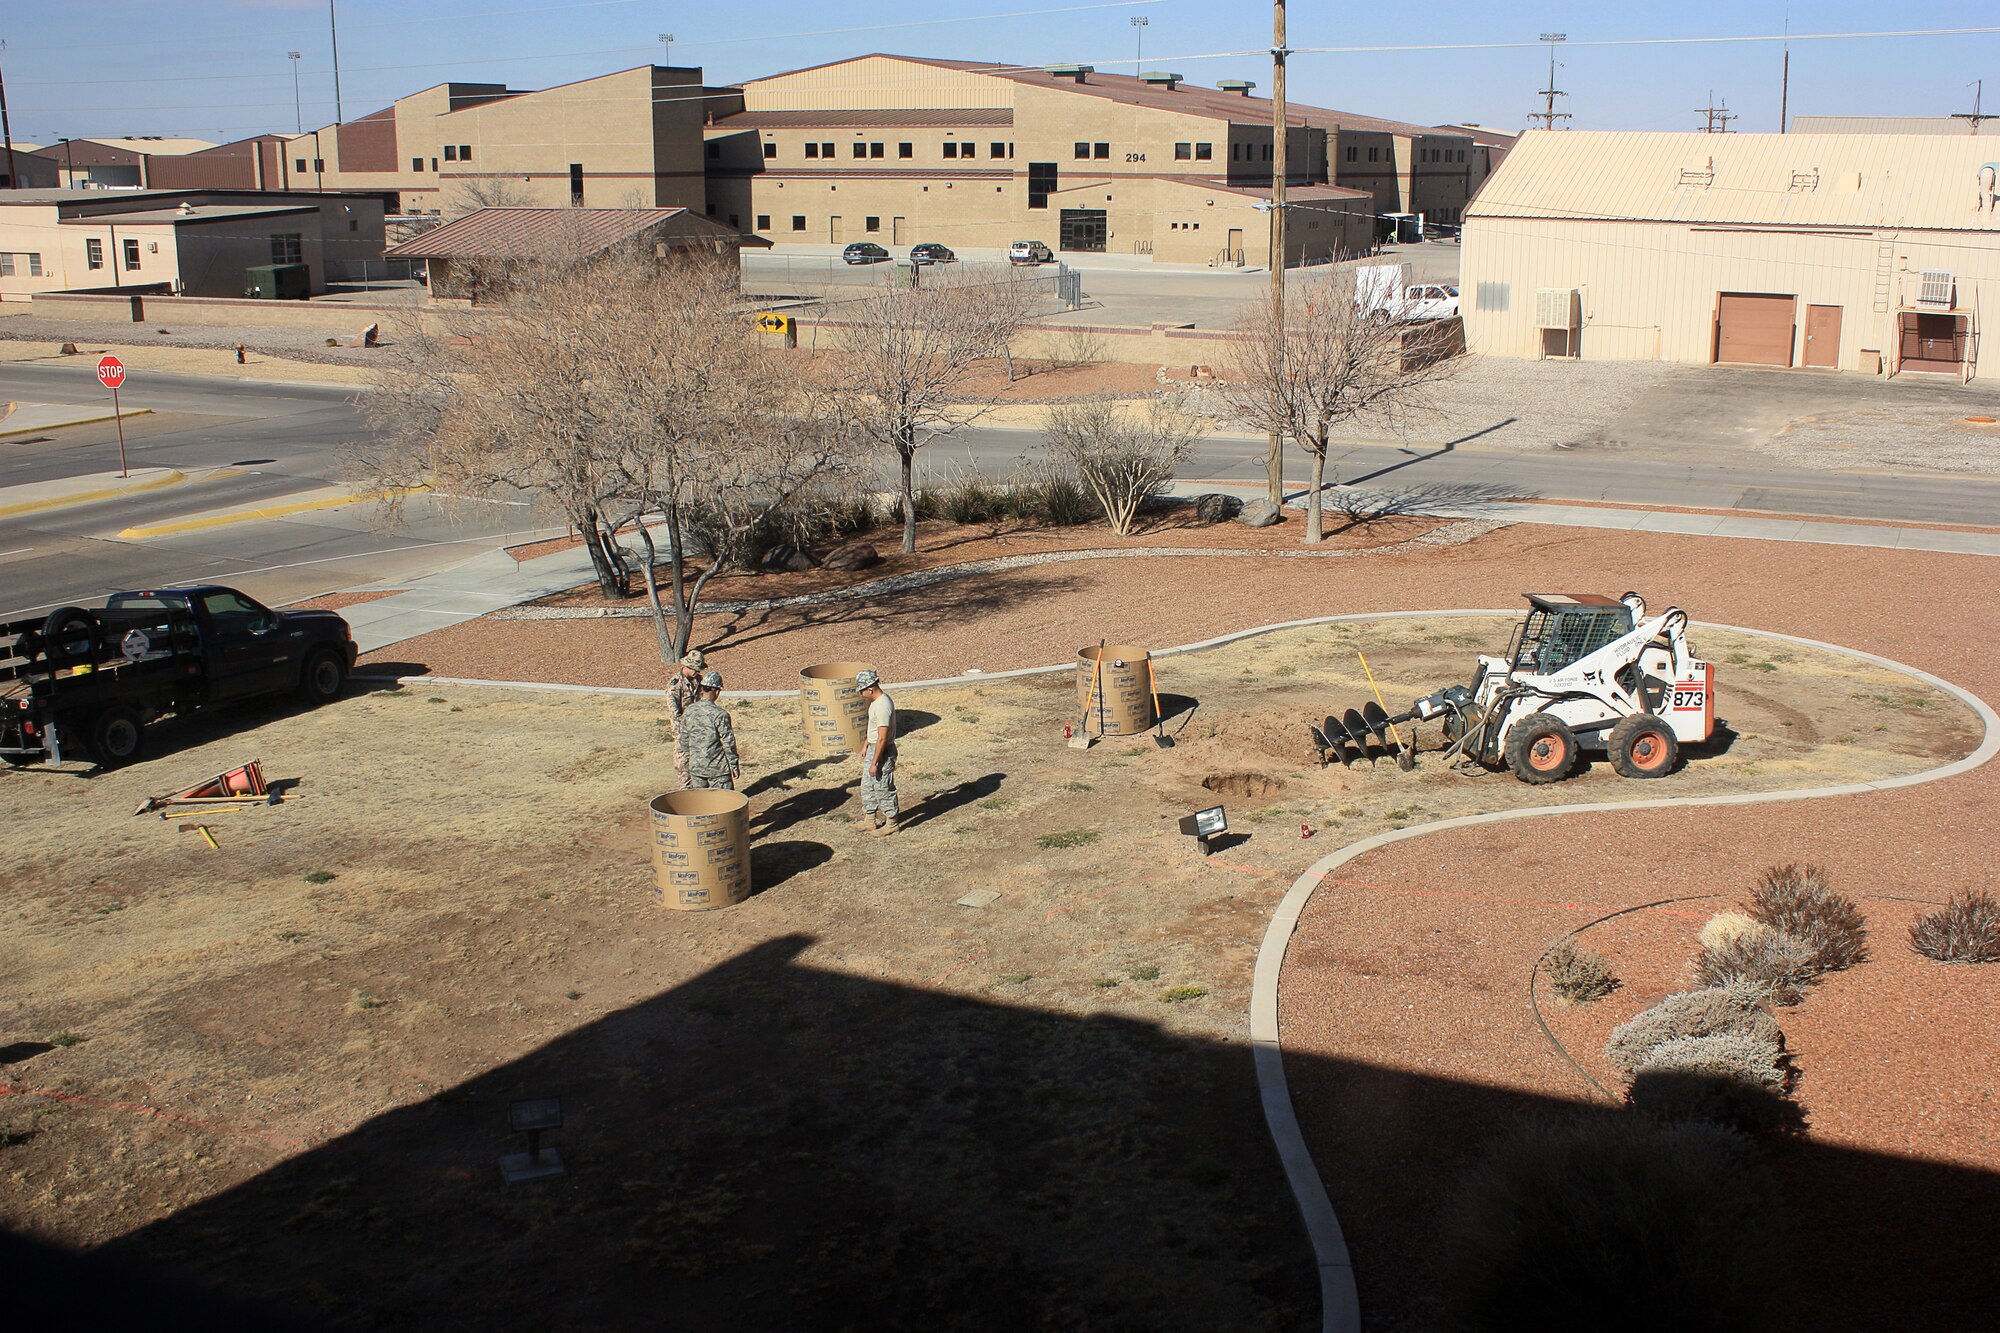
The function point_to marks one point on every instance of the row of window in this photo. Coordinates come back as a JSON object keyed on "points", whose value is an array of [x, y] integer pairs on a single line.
{"points": [[1200, 152], [870, 223], [27, 263], [821, 148], [1426, 155], [93, 253]]}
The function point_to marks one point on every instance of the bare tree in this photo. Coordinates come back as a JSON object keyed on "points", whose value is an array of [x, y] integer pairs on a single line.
{"points": [[1124, 460], [507, 402], [469, 194], [910, 354], [1328, 367]]}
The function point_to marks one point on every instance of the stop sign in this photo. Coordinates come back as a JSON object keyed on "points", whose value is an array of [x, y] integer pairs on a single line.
{"points": [[111, 372]]}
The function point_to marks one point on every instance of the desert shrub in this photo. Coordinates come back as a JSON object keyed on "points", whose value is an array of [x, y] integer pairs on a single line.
{"points": [[1578, 975], [1727, 927], [1736, 1078], [969, 498], [1697, 1013], [1616, 1222], [1782, 963], [1965, 930], [1800, 901], [1048, 492], [1072, 345]]}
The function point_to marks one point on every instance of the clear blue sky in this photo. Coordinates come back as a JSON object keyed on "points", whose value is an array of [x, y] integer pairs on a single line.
{"points": [[216, 69]]}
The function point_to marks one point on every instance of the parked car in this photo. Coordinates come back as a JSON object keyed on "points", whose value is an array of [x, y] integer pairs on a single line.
{"points": [[929, 253], [1029, 252], [864, 252], [91, 680]]}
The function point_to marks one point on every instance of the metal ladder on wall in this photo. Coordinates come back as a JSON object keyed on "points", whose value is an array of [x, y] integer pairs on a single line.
{"points": [[1885, 273]]}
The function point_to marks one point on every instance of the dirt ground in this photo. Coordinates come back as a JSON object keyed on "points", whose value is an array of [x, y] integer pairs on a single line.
{"points": [[286, 1062]]}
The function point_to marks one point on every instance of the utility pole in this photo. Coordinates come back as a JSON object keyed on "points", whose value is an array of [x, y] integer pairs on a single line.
{"points": [[1548, 115], [1718, 116], [666, 48], [1139, 24], [1785, 73], [298, 107], [333, 27], [1975, 117], [1274, 463], [7, 131]]}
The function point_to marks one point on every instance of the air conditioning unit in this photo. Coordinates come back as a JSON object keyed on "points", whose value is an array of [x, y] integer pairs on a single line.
{"points": [[1936, 288], [1558, 308]]}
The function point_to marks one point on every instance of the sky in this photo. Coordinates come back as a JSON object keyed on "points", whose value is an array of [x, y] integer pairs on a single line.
{"points": [[217, 69]]}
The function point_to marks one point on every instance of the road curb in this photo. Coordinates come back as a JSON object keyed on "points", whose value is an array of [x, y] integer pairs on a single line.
{"points": [[261, 514], [74, 421], [173, 477]]}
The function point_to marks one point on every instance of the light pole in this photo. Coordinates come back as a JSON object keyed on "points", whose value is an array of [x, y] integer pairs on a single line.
{"points": [[333, 27], [1139, 24], [298, 107], [667, 48], [1274, 461], [7, 131]]}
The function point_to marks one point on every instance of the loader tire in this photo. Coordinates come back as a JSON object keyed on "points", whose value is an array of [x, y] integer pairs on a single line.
{"points": [[1643, 746], [1541, 749]]}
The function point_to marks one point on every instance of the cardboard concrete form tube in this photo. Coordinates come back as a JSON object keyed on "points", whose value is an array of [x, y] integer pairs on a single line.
{"points": [[1127, 685], [831, 710], [701, 849]]}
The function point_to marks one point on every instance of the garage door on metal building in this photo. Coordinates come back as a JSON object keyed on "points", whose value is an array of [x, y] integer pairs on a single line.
{"points": [[1754, 330]]}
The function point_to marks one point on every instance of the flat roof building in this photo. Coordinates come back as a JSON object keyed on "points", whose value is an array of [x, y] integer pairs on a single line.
{"points": [[902, 149], [472, 257], [185, 242], [1860, 252]]}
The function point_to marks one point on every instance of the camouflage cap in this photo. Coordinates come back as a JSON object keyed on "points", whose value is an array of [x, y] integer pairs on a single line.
{"points": [[712, 681]]}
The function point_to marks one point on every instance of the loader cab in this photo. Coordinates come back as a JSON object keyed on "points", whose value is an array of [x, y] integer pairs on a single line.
{"points": [[1563, 628]]}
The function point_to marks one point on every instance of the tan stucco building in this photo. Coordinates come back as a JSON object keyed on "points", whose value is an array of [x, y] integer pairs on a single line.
{"points": [[900, 150], [185, 242], [628, 139], [1856, 252]]}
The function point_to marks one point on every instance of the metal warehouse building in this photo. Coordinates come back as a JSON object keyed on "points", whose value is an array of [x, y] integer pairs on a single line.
{"points": [[1874, 253]]}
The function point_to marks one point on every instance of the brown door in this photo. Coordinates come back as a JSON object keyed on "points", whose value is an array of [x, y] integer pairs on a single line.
{"points": [[896, 236], [1754, 330], [1823, 337], [833, 229], [1236, 245]]}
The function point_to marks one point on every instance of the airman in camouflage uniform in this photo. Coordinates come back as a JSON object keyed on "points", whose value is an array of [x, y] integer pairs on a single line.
{"points": [[707, 741], [683, 690]]}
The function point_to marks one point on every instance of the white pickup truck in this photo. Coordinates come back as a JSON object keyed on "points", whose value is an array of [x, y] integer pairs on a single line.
{"points": [[1385, 292]]}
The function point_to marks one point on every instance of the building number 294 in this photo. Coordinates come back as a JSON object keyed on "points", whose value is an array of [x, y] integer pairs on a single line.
{"points": [[1135, 157]]}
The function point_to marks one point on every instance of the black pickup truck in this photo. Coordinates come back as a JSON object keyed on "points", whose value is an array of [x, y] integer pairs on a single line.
{"points": [[93, 679]]}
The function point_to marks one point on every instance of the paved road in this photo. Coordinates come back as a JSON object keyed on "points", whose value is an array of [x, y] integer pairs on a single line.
{"points": [[278, 441]]}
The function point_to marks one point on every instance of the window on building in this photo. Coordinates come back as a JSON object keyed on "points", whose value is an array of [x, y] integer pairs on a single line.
{"points": [[434, 164], [871, 224], [1083, 152], [1371, 154], [1183, 152], [319, 165], [798, 222], [906, 150], [1235, 152], [1101, 151], [711, 210], [812, 150], [770, 150], [576, 185], [465, 152], [733, 221], [1267, 152], [825, 149], [27, 262], [298, 164], [763, 222], [715, 150], [968, 150], [1353, 153], [287, 247], [93, 252], [451, 152], [416, 164], [874, 150], [860, 148], [1041, 183], [951, 150], [1204, 152], [998, 150]]}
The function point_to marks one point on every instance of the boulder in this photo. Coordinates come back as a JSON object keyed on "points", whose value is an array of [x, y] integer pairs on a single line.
{"points": [[1258, 514], [1216, 507], [854, 555], [787, 557]]}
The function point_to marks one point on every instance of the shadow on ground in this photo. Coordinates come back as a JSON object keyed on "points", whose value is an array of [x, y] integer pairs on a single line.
{"points": [[778, 1144]]}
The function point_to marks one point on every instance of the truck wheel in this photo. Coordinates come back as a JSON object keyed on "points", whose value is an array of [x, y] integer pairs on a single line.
{"points": [[69, 636], [116, 737], [1643, 746], [1541, 749], [323, 677]]}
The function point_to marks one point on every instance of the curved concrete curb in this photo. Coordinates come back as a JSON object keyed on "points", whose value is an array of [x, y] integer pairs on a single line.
{"points": [[1339, 1303]]}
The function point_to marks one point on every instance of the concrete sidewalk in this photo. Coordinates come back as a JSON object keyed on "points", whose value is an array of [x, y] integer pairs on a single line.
{"points": [[33, 418], [37, 497]]}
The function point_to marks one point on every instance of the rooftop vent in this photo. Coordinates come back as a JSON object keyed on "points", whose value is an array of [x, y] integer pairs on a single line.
{"points": [[1241, 87], [1160, 79], [1078, 73], [1700, 173], [186, 209]]}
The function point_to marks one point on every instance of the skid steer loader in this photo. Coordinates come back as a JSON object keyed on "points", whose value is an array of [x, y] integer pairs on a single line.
{"points": [[1582, 670]]}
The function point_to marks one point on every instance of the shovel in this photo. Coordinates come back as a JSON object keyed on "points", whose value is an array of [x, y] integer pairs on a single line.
{"points": [[1081, 738], [1160, 737]]}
